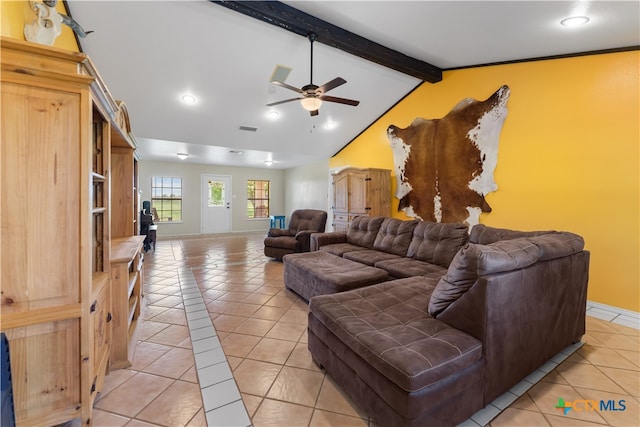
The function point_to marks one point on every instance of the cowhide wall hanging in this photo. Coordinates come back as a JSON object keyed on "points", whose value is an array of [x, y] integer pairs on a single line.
{"points": [[444, 167]]}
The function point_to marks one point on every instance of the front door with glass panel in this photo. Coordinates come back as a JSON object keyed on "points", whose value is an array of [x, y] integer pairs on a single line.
{"points": [[216, 204]]}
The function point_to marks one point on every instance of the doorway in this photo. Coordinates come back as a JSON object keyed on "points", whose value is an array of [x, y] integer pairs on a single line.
{"points": [[216, 204]]}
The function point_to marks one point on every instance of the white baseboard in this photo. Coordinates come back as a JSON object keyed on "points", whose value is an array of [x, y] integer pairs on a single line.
{"points": [[613, 314]]}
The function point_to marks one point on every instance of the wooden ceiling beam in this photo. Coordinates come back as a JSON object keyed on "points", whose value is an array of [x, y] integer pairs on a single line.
{"points": [[301, 23]]}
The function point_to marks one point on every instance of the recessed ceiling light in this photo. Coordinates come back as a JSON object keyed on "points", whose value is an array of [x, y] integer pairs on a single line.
{"points": [[330, 125], [188, 99], [574, 21], [236, 152], [182, 156], [268, 162], [273, 114]]}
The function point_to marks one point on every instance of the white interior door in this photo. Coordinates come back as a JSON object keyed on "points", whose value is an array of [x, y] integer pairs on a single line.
{"points": [[216, 204]]}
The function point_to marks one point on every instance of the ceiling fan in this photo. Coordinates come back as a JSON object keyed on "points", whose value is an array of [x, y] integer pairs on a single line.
{"points": [[312, 95]]}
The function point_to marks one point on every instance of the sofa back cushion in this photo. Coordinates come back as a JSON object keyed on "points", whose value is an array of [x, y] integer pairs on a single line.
{"points": [[472, 261], [475, 260], [363, 230], [395, 236], [307, 220], [485, 235], [437, 243]]}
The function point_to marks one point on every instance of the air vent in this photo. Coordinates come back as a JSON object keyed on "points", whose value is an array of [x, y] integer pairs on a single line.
{"points": [[280, 73], [248, 128]]}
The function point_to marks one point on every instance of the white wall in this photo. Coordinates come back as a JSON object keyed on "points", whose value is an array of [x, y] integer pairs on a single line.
{"points": [[191, 178], [308, 187]]}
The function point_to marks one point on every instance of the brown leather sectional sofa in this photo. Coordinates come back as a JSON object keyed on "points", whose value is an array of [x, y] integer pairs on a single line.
{"points": [[457, 320]]}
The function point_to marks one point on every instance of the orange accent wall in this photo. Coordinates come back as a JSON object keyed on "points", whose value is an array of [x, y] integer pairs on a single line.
{"points": [[15, 14], [568, 157]]}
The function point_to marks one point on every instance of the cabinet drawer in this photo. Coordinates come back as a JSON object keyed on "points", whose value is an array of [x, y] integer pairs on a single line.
{"points": [[340, 216]]}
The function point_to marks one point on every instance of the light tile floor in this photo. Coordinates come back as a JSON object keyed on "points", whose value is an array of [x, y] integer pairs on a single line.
{"points": [[254, 366]]}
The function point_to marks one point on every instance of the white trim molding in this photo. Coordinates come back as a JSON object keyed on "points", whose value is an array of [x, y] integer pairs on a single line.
{"points": [[613, 314]]}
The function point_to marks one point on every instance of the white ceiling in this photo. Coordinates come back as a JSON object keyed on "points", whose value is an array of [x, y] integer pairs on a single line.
{"points": [[150, 53]]}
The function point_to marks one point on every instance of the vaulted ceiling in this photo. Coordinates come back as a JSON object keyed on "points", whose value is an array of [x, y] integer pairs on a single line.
{"points": [[152, 53]]}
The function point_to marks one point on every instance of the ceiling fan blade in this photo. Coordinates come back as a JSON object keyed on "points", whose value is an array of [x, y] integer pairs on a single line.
{"points": [[338, 81], [286, 86], [282, 102], [340, 100], [313, 113]]}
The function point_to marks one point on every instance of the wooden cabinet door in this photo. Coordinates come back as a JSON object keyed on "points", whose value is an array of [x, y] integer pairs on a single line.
{"points": [[101, 316], [41, 275], [341, 192], [378, 193], [358, 184], [40, 198]]}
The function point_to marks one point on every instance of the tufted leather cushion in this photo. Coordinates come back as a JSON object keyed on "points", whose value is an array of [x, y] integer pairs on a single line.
{"points": [[485, 235], [437, 243], [339, 249], [371, 256], [388, 325], [558, 244], [308, 220], [317, 273], [475, 260], [395, 236], [363, 230], [409, 267]]}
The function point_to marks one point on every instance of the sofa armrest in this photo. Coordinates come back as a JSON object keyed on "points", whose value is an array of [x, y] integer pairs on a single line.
{"points": [[304, 239], [321, 239], [523, 317], [277, 232]]}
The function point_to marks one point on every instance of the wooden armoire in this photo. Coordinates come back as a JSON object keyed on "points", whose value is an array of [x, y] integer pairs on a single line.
{"points": [[58, 124], [360, 192]]}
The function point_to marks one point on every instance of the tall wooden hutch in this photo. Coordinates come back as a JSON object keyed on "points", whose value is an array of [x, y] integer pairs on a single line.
{"points": [[360, 192], [59, 133]]}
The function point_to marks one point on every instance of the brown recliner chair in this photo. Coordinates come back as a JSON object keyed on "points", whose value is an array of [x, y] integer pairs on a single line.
{"points": [[297, 237]]}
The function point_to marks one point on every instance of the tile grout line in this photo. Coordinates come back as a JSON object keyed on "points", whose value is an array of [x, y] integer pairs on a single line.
{"points": [[221, 399]]}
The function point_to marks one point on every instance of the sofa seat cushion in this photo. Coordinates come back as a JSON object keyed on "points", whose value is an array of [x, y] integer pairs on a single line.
{"points": [[370, 256], [408, 267], [284, 242], [389, 326], [339, 249]]}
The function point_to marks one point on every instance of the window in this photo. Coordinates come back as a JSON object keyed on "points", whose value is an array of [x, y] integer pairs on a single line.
{"points": [[166, 198], [216, 193], [257, 199]]}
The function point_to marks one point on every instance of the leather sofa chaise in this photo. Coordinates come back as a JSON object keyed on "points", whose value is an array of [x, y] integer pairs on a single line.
{"points": [[435, 347]]}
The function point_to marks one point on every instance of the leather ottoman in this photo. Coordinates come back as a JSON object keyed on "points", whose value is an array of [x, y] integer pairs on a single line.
{"points": [[319, 273]]}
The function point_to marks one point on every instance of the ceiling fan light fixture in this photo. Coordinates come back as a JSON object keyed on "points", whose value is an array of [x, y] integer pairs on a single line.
{"points": [[311, 104]]}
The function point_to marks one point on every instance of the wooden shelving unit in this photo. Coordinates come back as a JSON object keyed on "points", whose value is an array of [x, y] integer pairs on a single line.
{"points": [[127, 278], [59, 127]]}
